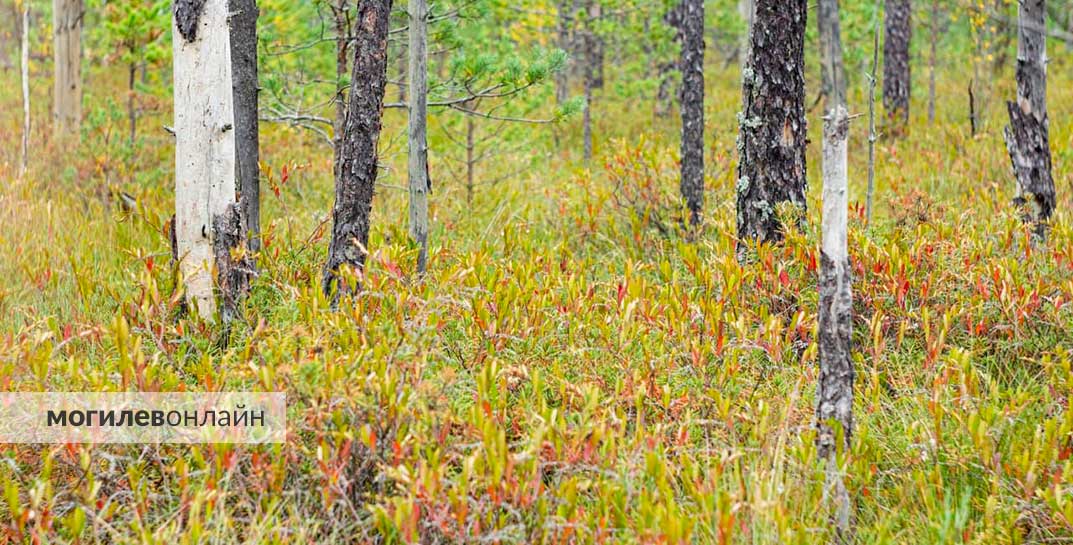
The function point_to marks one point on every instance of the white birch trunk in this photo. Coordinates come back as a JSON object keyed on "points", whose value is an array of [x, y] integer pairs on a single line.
{"points": [[67, 67], [834, 393], [204, 143], [25, 67], [835, 185], [418, 165]]}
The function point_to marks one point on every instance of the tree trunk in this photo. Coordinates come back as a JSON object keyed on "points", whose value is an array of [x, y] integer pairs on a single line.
{"points": [[834, 393], [896, 78], [834, 76], [933, 59], [67, 67], [471, 159], [772, 134], [132, 112], [1027, 136], [24, 40], [565, 26], [244, 71], [420, 184], [204, 145], [358, 157], [747, 11], [341, 11], [692, 107], [872, 136]]}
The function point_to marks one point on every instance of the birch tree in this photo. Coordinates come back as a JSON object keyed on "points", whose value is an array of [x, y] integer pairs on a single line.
{"points": [[692, 107], [896, 76], [834, 393], [772, 132], [244, 89], [207, 218], [358, 156], [67, 67], [1027, 135], [420, 184]]}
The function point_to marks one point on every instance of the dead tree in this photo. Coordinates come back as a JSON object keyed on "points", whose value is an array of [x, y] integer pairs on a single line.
{"points": [[247, 144], [772, 132], [833, 73], [357, 168], [834, 393], [205, 207], [1027, 135], [896, 76], [67, 67], [418, 130], [692, 108]]}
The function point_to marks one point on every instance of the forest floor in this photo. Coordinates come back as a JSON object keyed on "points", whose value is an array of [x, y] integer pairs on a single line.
{"points": [[568, 369]]}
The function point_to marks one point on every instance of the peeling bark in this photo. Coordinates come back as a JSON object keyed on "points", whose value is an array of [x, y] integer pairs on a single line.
{"points": [[896, 76], [358, 157], [244, 84], [204, 146], [1027, 135], [772, 134], [234, 268], [834, 393], [692, 107], [187, 16]]}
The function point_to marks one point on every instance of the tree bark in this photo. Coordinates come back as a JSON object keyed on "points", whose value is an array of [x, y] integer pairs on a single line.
{"points": [[896, 77], [247, 143], [420, 185], [204, 143], [772, 133], [358, 158], [834, 393], [341, 12], [692, 108], [67, 67], [24, 41], [1027, 135], [833, 73]]}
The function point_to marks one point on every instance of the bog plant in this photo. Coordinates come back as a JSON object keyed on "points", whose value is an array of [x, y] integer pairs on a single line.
{"points": [[567, 371]]}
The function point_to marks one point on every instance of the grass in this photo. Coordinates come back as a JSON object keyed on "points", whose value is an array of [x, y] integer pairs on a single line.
{"points": [[565, 372]]}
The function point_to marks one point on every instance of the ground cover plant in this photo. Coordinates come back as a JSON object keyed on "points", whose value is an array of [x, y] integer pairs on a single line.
{"points": [[578, 364]]}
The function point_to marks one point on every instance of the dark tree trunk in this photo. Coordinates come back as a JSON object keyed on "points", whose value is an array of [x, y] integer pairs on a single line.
{"points": [[692, 107], [834, 76], [772, 135], [1027, 138], [244, 82], [341, 13], [358, 159], [896, 79]]}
